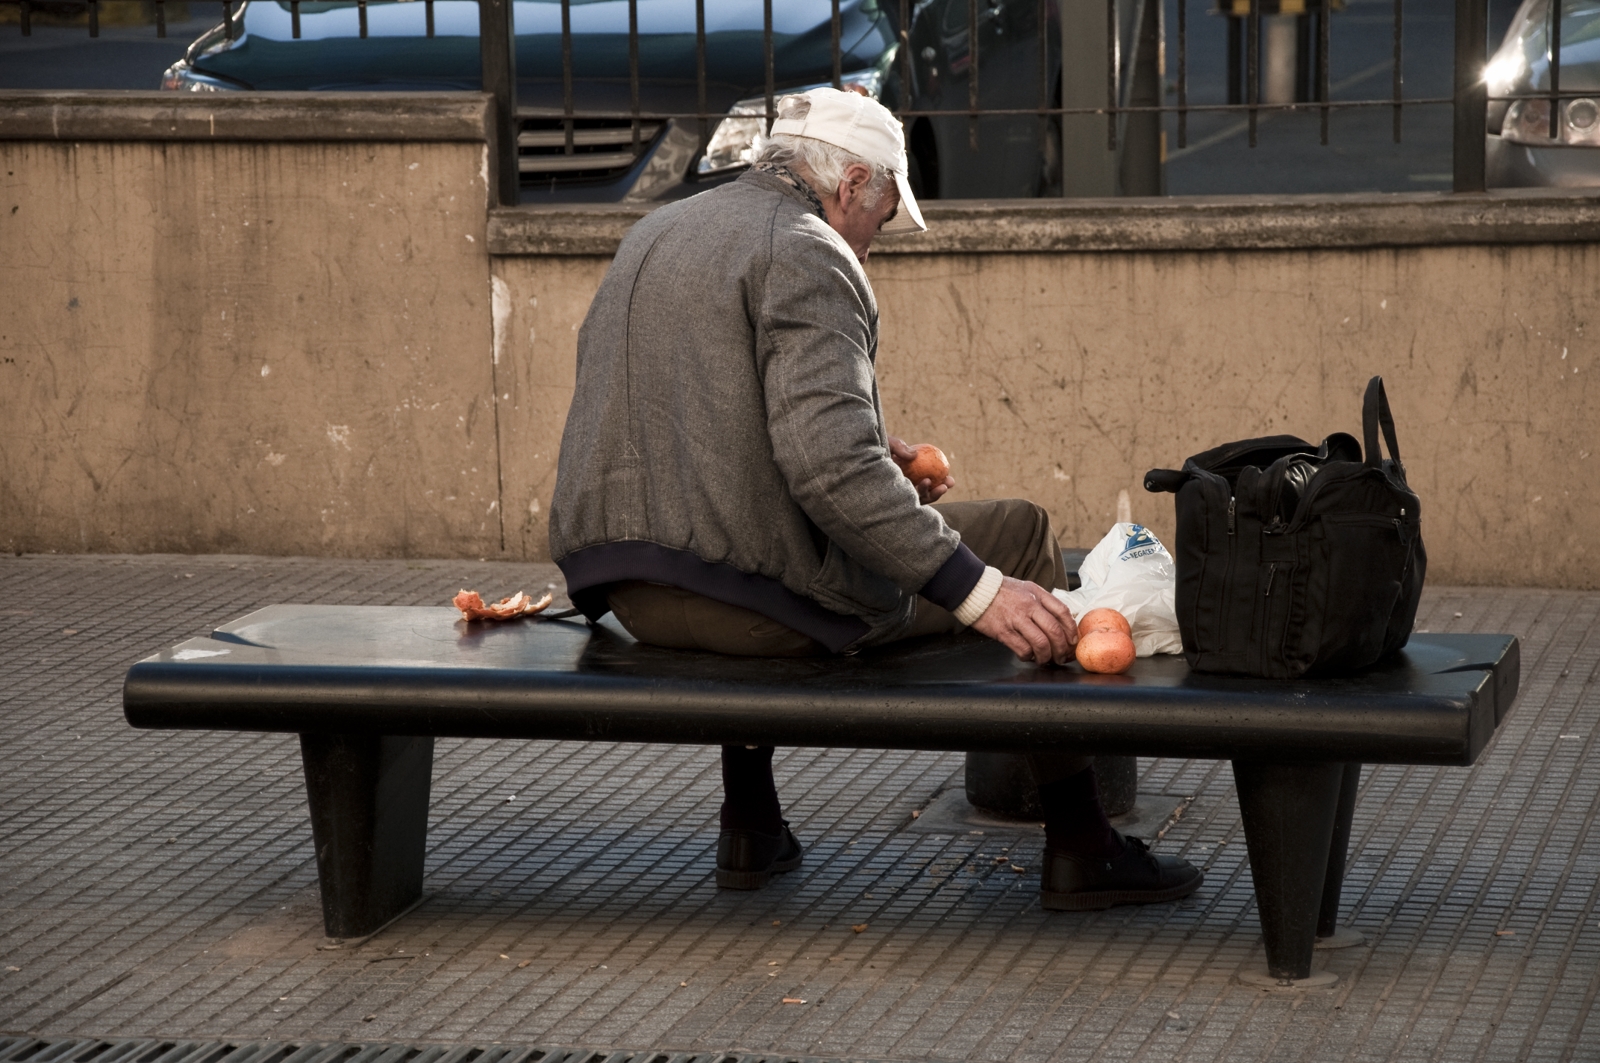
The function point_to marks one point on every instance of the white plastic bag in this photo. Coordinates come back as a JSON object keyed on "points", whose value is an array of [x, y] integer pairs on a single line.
{"points": [[1130, 571]]}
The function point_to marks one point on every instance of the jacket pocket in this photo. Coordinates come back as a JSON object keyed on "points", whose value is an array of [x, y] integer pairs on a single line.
{"points": [[846, 586]]}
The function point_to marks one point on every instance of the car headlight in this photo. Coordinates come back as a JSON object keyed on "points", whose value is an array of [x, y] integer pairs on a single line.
{"points": [[1505, 71], [733, 144], [1578, 124], [181, 77]]}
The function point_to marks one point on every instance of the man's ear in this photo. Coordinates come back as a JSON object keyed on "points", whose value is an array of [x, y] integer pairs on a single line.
{"points": [[856, 177]]}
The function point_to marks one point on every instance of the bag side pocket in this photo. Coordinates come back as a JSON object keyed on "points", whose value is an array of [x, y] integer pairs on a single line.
{"points": [[1404, 616], [1365, 556], [1285, 575], [1198, 545]]}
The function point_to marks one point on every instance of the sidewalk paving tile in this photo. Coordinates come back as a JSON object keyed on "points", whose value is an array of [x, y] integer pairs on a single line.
{"points": [[162, 884]]}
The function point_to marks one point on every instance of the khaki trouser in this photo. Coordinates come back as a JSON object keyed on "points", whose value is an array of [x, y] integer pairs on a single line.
{"points": [[1011, 534]]}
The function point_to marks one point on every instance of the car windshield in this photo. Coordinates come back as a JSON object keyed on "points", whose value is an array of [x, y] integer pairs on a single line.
{"points": [[1523, 62]]}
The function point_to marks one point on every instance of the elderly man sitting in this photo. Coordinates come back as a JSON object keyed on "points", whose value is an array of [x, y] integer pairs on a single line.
{"points": [[727, 483]]}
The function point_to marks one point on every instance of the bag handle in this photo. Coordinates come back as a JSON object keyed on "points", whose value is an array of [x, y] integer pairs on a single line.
{"points": [[1374, 414], [1158, 480]]}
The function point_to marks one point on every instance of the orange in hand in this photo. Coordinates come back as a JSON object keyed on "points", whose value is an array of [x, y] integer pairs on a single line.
{"points": [[927, 463]]}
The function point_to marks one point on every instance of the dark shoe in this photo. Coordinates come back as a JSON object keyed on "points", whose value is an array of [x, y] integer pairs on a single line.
{"points": [[747, 859], [1074, 883]]}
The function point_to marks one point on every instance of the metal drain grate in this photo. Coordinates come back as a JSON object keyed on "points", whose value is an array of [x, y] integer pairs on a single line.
{"points": [[14, 1049]]}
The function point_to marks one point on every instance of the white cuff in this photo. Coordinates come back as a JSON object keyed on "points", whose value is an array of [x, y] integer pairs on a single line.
{"points": [[983, 592]]}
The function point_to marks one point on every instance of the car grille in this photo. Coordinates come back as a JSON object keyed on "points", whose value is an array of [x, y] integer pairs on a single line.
{"points": [[602, 149]]}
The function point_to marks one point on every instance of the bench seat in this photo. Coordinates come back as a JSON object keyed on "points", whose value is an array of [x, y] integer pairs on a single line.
{"points": [[368, 688]]}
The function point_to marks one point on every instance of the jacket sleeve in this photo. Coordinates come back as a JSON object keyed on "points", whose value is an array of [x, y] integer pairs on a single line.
{"points": [[815, 340]]}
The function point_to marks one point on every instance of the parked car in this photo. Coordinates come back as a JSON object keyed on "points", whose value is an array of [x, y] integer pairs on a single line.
{"points": [[1011, 155], [1521, 152]]}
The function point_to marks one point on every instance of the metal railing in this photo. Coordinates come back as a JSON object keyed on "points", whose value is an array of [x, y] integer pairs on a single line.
{"points": [[1470, 99], [1125, 53]]}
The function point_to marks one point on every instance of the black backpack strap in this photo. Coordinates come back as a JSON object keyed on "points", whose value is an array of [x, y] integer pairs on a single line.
{"points": [[1374, 414], [1158, 480]]}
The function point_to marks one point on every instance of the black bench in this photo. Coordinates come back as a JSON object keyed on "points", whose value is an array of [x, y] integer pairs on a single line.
{"points": [[368, 688]]}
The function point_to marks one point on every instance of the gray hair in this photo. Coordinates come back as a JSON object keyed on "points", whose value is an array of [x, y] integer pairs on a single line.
{"points": [[822, 164]]}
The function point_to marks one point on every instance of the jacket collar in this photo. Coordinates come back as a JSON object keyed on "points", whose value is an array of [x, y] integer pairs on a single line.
{"points": [[782, 179]]}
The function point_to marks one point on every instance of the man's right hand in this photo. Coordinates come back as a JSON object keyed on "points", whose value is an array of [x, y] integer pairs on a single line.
{"points": [[927, 490], [1031, 622]]}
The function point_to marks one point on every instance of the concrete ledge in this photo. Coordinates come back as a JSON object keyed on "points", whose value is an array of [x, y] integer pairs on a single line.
{"points": [[1175, 223], [585, 229], [257, 116]]}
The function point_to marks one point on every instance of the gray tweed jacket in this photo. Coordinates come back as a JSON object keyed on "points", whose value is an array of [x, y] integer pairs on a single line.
{"points": [[725, 434]]}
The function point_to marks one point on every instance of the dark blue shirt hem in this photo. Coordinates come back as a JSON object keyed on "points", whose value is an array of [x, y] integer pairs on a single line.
{"points": [[591, 571]]}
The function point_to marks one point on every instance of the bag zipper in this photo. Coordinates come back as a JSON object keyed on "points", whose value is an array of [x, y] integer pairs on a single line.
{"points": [[1304, 505], [1264, 628], [1370, 520]]}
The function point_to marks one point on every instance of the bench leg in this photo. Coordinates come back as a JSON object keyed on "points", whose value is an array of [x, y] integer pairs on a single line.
{"points": [[1289, 811], [369, 818], [1338, 852]]}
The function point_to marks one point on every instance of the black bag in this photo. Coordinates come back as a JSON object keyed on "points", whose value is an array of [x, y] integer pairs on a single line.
{"points": [[1296, 559]]}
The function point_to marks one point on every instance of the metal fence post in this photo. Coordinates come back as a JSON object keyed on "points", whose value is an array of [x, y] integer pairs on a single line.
{"points": [[1471, 94], [1142, 173], [497, 47], [1088, 167]]}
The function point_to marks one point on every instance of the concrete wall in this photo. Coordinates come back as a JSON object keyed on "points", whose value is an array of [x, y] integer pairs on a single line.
{"points": [[546, 299], [418, 349], [246, 344], [1063, 377]]}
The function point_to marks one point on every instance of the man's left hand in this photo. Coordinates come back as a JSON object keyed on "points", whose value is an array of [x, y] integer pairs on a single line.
{"points": [[927, 490]]}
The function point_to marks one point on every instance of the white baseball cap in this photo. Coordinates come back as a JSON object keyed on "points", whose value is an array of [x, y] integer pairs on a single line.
{"points": [[863, 127]]}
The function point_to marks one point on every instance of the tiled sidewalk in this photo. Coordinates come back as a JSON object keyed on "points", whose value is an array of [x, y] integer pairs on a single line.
{"points": [[162, 884]]}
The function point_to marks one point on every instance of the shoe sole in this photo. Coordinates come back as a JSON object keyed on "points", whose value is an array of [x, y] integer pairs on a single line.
{"points": [[753, 880], [1096, 902]]}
